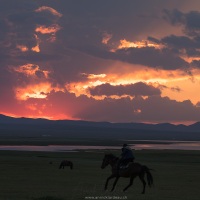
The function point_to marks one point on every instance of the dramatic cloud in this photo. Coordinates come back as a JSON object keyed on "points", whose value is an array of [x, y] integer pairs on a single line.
{"points": [[189, 21], [136, 89], [100, 60]]}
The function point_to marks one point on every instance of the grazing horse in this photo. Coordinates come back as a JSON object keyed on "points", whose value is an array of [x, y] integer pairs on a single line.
{"points": [[66, 163], [133, 170]]}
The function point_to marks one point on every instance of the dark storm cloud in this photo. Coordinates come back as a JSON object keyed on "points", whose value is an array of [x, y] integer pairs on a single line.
{"points": [[195, 63], [189, 21], [119, 110], [161, 109], [82, 30], [4, 29], [16, 19], [179, 43], [93, 17], [151, 57], [39, 57], [147, 56], [18, 23], [182, 42], [11, 5], [168, 58], [152, 109], [139, 88]]}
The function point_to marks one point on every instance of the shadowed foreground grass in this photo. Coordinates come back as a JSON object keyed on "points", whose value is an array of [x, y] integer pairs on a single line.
{"points": [[30, 176]]}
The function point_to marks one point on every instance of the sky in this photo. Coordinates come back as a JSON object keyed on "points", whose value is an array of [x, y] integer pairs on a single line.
{"points": [[101, 60]]}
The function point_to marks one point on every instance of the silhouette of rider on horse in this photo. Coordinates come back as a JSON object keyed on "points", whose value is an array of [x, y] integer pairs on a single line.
{"points": [[126, 156]]}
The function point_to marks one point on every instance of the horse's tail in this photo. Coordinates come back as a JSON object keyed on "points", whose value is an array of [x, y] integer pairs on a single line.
{"points": [[149, 175]]}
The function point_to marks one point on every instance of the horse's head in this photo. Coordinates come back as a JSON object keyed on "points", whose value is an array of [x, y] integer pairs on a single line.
{"points": [[108, 159]]}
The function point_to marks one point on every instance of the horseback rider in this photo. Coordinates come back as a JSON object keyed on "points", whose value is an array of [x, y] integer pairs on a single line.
{"points": [[126, 156]]}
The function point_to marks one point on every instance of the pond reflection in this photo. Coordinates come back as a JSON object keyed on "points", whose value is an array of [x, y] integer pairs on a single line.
{"points": [[179, 145], [137, 145], [54, 148]]}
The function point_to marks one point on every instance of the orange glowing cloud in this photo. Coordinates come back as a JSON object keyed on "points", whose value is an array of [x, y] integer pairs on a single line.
{"points": [[48, 30], [81, 88], [37, 47], [106, 38], [37, 91], [52, 29], [94, 76], [190, 59], [30, 70], [22, 48], [38, 83], [124, 44], [171, 81], [49, 9]]}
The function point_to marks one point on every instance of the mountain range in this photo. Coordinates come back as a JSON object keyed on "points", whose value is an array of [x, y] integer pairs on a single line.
{"points": [[10, 126]]}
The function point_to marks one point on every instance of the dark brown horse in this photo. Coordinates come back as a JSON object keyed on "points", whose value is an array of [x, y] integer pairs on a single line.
{"points": [[132, 171], [66, 163]]}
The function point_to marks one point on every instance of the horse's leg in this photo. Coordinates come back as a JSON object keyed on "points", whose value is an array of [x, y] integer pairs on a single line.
{"points": [[130, 183], [110, 177], [117, 178], [141, 176]]}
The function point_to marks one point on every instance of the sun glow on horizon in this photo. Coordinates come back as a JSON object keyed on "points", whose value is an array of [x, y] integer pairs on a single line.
{"points": [[66, 117], [51, 117]]}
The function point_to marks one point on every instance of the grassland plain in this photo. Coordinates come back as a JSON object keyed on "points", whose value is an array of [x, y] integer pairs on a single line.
{"points": [[30, 176]]}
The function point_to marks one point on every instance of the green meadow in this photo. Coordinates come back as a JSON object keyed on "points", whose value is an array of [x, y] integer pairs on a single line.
{"points": [[36, 176]]}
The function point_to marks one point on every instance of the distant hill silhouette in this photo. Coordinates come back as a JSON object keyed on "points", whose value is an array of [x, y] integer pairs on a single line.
{"points": [[139, 126], [87, 129]]}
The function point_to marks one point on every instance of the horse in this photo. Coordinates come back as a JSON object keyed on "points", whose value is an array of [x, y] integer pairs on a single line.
{"points": [[132, 171], [66, 163]]}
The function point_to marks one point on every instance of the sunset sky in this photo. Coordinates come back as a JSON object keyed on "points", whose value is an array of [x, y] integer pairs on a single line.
{"points": [[101, 60]]}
